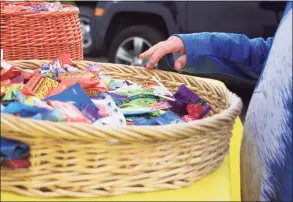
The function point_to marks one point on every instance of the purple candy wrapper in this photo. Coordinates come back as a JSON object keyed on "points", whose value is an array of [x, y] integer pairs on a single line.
{"points": [[206, 108], [185, 96]]}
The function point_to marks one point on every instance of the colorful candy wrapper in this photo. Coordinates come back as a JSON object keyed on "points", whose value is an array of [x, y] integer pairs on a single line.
{"points": [[2, 107], [14, 74], [93, 91], [16, 163], [115, 116], [11, 149], [194, 110], [78, 97], [95, 68], [76, 76], [139, 101], [69, 111], [35, 112], [13, 92], [205, 108], [62, 61], [185, 96], [137, 111], [39, 86], [163, 105], [55, 115], [168, 118], [116, 97], [52, 71], [71, 68], [34, 101]]}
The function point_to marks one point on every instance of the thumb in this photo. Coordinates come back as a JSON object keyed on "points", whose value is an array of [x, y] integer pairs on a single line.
{"points": [[180, 62]]}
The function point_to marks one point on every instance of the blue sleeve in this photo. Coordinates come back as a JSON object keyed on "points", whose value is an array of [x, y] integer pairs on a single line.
{"points": [[234, 47]]}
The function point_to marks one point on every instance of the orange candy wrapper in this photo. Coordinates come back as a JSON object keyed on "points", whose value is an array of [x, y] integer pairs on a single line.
{"points": [[39, 86]]}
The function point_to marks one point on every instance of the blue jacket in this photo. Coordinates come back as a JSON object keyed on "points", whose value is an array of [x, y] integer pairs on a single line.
{"points": [[266, 152]]}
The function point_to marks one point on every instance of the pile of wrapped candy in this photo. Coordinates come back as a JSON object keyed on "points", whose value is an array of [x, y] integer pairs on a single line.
{"points": [[60, 92], [43, 6]]}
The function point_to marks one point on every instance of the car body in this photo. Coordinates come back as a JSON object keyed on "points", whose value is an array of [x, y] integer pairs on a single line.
{"points": [[116, 28]]}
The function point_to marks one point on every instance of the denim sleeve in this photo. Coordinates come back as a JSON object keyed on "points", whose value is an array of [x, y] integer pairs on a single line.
{"points": [[234, 47]]}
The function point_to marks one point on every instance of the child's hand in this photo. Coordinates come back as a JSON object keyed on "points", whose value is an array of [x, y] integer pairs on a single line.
{"points": [[172, 45]]}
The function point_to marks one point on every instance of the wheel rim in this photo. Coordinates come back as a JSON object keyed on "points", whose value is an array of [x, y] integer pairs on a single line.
{"points": [[129, 50], [86, 32]]}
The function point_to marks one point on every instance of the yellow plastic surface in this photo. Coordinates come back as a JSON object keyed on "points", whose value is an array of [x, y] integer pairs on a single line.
{"points": [[221, 185]]}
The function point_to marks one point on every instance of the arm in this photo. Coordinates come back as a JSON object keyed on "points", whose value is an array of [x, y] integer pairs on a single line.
{"points": [[235, 47]]}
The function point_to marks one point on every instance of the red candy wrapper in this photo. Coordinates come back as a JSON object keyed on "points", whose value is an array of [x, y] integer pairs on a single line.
{"points": [[39, 86], [62, 60], [194, 112], [12, 73], [70, 112], [16, 163]]}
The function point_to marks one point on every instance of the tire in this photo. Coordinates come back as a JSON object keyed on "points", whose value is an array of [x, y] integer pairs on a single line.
{"points": [[146, 32], [86, 14]]}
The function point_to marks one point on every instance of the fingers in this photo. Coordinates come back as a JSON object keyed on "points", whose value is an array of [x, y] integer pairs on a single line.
{"points": [[148, 53], [172, 45], [180, 62], [160, 52]]}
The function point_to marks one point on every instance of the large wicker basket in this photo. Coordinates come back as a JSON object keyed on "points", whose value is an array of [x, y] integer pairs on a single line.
{"points": [[79, 160], [43, 35]]}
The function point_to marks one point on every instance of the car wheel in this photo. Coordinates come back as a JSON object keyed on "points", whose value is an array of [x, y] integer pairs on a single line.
{"points": [[85, 17], [131, 42]]}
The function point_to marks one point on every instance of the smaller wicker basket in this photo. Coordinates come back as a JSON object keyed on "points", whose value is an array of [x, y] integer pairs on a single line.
{"points": [[43, 35], [78, 160]]}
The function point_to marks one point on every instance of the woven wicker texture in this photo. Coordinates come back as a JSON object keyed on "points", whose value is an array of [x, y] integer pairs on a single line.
{"points": [[80, 160], [44, 35]]}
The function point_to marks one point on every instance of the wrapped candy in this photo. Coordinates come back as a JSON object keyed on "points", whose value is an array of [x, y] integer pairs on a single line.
{"points": [[11, 149], [183, 97], [80, 100]]}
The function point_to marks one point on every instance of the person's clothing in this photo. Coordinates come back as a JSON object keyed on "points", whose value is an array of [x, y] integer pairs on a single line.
{"points": [[266, 153]]}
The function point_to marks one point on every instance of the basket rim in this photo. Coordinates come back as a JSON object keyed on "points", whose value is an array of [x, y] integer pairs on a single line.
{"points": [[212, 123], [42, 13]]}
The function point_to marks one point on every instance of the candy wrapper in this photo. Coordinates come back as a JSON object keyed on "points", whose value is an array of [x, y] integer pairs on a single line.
{"points": [[11, 149], [52, 71], [16, 163], [116, 97], [166, 118], [39, 86], [34, 101], [39, 113], [115, 116], [14, 74], [139, 101], [76, 76], [69, 111], [185, 96], [13, 93], [94, 68], [2, 107], [78, 97]]}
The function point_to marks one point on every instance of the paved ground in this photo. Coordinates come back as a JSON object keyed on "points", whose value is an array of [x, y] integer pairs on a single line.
{"points": [[244, 95]]}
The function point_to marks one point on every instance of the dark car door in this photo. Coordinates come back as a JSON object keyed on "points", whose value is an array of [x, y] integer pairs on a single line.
{"points": [[254, 19]]}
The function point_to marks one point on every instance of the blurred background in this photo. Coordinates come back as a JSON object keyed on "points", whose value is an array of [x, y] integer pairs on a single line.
{"points": [[118, 31]]}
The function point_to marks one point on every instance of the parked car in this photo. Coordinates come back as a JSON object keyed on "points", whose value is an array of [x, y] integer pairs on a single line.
{"points": [[122, 29]]}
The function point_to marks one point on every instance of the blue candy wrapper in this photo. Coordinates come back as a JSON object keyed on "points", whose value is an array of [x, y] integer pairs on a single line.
{"points": [[23, 110], [78, 97], [165, 119], [11, 149], [35, 112]]}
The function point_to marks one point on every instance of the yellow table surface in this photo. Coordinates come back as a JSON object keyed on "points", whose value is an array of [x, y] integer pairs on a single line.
{"points": [[221, 185]]}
